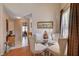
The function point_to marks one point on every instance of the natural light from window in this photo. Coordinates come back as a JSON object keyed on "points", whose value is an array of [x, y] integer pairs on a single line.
{"points": [[65, 23]]}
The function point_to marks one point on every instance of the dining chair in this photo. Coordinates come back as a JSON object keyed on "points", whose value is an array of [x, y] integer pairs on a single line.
{"points": [[36, 48], [54, 49]]}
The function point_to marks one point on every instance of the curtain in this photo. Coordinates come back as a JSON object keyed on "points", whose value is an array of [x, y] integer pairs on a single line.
{"points": [[73, 39], [61, 12]]}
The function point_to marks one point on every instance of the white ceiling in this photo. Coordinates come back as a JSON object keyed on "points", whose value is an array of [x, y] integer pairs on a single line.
{"points": [[23, 10]]}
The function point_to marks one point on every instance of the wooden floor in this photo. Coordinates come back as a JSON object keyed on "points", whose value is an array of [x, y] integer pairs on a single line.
{"points": [[25, 51]]}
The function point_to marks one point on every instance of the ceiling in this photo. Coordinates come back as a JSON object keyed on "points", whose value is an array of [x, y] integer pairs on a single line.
{"points": [[22, 10]]}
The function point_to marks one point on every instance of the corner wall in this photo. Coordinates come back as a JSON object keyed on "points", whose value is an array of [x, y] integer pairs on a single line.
{"points": [[2, 29]]}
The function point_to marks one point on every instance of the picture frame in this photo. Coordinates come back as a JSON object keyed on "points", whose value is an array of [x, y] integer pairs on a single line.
{"points": [[45, 24]]}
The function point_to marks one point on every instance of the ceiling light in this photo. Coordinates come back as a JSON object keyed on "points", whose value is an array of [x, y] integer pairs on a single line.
{"points": [[18, 17]]}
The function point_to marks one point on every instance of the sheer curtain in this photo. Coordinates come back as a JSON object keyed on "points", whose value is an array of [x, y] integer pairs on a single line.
{"points": [[65, 23]]}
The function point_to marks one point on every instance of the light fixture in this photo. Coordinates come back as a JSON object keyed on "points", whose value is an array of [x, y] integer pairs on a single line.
{"points": [[18, 17]]}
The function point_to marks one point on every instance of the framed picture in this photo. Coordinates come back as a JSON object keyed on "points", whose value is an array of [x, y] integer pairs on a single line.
{"points": [[45, 24]]}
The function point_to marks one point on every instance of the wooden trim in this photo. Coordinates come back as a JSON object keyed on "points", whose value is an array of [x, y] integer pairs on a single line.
{"points": [[6, 25]]}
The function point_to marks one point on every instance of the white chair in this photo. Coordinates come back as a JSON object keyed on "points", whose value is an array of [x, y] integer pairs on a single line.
{"points": [[39, 38], [36, 48], [54, 49]]}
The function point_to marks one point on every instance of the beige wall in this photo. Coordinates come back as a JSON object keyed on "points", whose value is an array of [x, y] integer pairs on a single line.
{"points": [[2, 29], [17, 29], [11, 25]]}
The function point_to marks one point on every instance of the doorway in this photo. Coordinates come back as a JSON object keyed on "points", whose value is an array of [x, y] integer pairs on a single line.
{"points": [[24, 35]]}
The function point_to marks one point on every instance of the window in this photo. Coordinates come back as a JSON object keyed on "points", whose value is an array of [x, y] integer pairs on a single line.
{"points": [[65, 23], [24, 28]]}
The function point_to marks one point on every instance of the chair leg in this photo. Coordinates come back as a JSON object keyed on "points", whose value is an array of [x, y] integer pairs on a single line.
{"points": [[49, 53], [43, 53]]}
